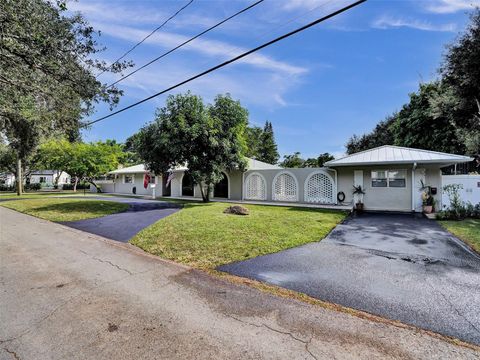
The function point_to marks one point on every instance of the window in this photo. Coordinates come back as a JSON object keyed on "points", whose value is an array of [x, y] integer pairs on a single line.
{"points": [[128, 179], [152, 179], [43, 179], [389, 178], [397, 178], [379, 178]]}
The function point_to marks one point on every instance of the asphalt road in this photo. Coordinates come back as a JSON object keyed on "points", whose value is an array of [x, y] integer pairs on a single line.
{"points": [[66, 294], [123, 226], [400, 267]]}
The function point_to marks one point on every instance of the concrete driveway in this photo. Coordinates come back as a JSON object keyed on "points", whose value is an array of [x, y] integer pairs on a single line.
{"points": [[66, 294], [123, 226], [400, 267]]}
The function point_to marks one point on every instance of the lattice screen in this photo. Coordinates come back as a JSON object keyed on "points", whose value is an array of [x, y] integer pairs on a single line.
{"points": [[285, 188], [255, 188], [319, 189]]}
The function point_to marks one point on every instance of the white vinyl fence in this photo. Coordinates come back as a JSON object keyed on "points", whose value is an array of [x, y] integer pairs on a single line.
{"points": [[470, 191]]}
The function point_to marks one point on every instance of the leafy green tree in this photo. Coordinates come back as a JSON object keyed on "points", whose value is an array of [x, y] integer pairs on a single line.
{"points": [[296, 161], [292, 161], [416, 125], [461, 71], [268, 151], [253, 137], [83, 161], [208, 139], [379, 136], [47, 78]]}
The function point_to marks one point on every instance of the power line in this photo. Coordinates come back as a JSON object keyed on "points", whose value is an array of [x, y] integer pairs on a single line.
{"points": [[146, 37], [186, 42], [335, 13]]}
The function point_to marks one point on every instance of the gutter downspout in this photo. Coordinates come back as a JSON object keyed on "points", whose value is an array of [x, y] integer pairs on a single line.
{"points": [[336, 185], [243, 185], [413, 186]]}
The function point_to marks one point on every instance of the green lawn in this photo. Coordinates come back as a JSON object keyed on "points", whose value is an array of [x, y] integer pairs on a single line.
{"points": [[201, 235], [468, 230], [58, 209], [37, 194]]}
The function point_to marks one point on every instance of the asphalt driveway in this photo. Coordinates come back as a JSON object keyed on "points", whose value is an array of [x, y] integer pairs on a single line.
{"points": [[400, 267], [124, 225]]}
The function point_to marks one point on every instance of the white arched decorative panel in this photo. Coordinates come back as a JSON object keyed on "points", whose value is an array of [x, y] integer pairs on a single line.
{"points": [[255, 187], [319, 188], [285, 187]]}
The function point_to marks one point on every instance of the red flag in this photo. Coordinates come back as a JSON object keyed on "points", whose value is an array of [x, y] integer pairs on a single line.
{"points": [[146, 180]]}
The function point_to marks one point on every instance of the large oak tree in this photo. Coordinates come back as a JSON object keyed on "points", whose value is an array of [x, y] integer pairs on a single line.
{"points": [[47, 74]]}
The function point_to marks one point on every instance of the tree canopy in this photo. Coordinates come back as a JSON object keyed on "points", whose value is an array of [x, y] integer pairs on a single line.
{"points": [[261, 143], [82, 161], [209, 139], [296, 161], [48, 78]]}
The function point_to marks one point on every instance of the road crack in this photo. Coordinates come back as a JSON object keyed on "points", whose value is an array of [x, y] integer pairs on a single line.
{"points": [[288, 333], [112, 264], [13, 353]]}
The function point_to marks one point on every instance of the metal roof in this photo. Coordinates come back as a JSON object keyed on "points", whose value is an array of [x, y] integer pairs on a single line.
{"points": [[252, 164], [389, 154]]}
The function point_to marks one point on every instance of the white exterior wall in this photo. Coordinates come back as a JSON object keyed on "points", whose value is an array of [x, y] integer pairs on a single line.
{"points": [[471, 188], [389, 198], [50, 179], [119, 186]]}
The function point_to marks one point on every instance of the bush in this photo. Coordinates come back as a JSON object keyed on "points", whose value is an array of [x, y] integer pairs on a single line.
{"points": [[34, 187], [4, 187], [80, 186], [460, 212]]}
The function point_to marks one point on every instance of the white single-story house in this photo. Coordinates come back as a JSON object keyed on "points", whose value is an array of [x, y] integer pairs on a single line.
{"points": [[7, 179], [48, 177], [390, 176]]}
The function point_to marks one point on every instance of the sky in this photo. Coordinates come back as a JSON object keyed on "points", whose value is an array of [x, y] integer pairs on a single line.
{"points": [[318, 88]]}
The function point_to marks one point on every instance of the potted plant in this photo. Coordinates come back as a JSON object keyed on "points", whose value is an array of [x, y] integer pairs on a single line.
{"points": [[427, 198], [358, 193]]}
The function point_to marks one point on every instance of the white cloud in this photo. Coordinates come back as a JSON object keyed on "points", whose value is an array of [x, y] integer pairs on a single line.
{"points": [[255, 87], [450, 6], [218, 49], [389, 22]]}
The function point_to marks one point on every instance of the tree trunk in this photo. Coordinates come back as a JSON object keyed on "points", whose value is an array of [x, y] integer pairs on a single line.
{"points": [[93, 183], [205, 196], [75, 184], [19, 176]]}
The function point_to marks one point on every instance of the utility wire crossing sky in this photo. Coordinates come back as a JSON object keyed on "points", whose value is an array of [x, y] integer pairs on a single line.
{"points": [[331, 15]]}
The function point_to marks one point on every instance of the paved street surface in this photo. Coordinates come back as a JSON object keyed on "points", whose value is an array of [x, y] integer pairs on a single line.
{"points": [[66, 294], [125, 225], [400, 267]]}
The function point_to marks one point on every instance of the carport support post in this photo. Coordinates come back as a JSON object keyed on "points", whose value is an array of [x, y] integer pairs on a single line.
{"points": [[413, 186]]}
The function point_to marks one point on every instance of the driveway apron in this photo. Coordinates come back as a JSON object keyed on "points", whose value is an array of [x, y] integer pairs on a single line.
{"points": [[401, 267], [124, 225]]}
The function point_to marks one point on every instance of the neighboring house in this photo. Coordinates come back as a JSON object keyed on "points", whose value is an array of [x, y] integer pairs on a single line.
{"points": [[390, 176], [7, 179], [48, 177]]}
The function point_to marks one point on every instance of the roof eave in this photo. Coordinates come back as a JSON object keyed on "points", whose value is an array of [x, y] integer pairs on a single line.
{"points": [[371, 163]]}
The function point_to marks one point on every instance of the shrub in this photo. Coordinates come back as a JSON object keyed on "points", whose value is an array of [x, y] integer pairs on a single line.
{"points": [[4, 187], [34, 187], [80, 186]]}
